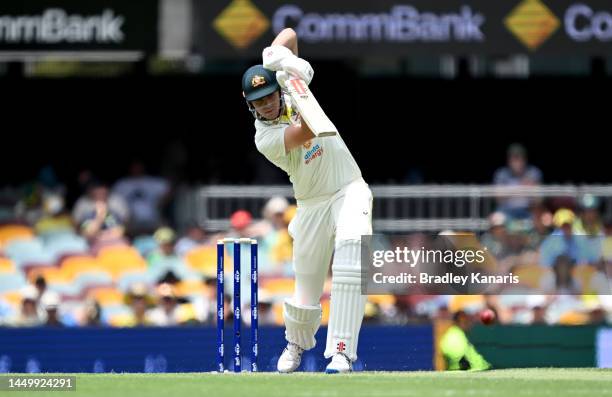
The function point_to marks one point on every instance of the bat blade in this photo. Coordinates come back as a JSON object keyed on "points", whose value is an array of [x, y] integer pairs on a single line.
{"points": [[309, 109]]}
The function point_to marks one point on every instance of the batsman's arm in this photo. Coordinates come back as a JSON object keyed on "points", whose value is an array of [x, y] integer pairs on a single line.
{"points": [[287, 38], [297, 135]]}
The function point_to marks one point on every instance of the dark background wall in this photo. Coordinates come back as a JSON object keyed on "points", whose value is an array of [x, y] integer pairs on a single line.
{"points": [[400, 129]]}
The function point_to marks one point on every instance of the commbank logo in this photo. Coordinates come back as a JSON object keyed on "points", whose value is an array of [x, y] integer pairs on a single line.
{"points": [[241, 23], [56, 25], [532, 23]]}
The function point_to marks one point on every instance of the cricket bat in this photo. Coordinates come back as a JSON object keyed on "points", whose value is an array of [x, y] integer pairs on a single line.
{"points": [[309, 109]]}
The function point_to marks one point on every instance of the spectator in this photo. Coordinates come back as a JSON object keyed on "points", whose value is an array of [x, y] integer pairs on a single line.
{"points": [[565, 284], [194, 237], [281, 254], [228, 312], [28, 315], [561, 241], [541, 226], [589, 229], [206, 305], [96, 192], [517, 173], [93, 313], [265, 312], [607, 242], [496, 237], [54, 218], [102, 225], [166, 313], [139, 301], [29, 208], [589, 222], [51, 302], [273, 212], [144, 195], [241, 222], [268, 231], [41, 286], [165, 252]]}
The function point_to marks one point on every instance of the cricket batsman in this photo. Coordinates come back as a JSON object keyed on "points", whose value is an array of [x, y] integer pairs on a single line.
{"points": [[334, 210]]}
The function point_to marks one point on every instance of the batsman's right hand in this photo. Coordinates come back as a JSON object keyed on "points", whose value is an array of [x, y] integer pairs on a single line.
{"points": [[282, 78]]}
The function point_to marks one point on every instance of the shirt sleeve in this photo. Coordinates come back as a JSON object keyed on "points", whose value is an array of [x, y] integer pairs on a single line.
{"points": [[270, 141]]}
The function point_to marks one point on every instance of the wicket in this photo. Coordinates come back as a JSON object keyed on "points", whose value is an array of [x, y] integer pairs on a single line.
{"points": [[237, 312]]}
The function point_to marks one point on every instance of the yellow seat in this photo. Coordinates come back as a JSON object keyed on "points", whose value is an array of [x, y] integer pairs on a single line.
{"points": [[463, 302], [185, 312], [584, 274], [121, 320], [277, 309], [382, 300], [7, 266], [531, 275], [203, 259]]}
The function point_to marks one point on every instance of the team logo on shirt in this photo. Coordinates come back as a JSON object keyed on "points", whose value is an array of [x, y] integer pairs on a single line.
{"points": [[308, 144], [316, 151]]}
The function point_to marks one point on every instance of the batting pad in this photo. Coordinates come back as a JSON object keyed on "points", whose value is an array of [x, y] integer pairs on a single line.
{"points": [[301, 323], [347, 304]]}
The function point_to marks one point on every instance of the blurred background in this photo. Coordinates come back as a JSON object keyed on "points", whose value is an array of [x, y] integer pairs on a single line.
{"points": [[128, 150]]}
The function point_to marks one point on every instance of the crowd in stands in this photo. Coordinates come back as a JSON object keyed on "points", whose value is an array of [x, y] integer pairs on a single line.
{"points": [[113, 259]]}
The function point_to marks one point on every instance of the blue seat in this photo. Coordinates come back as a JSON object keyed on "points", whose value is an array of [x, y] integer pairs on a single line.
{"points": [[145, 245], [127, 280], [12, 281], [67, 244]]}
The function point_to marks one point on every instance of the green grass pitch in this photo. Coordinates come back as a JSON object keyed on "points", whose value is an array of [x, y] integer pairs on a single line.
{"points": [[498, 383]]}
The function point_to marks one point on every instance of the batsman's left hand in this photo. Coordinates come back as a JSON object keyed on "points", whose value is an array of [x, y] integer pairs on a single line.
{"points": [[298, 67]]}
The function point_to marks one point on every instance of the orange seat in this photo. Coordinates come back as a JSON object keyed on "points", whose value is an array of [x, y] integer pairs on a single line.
{"points": [[51, 274], [13, 298], [106, 296], [190, 287], [7, 266], [278, 286], [119, 253], [118, 260], [324, 311], [203, 259], [75, 265], [14, 232], [573, 318]]}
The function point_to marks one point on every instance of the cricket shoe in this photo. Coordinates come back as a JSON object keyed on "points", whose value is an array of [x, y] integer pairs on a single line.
{"points": [[339, 364], [291, 358]]}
